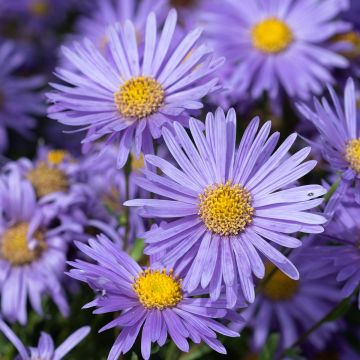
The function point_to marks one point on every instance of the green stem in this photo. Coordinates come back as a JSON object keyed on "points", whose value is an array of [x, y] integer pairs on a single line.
{"points": [[172, 353]]}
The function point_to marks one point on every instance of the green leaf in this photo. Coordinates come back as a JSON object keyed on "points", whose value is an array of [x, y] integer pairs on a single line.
{"points": [[269, 350], [134, 356], [138, 249]]}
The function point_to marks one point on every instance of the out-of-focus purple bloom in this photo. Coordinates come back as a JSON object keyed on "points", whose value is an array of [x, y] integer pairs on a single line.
{"points": [[129, 96], [45, 348], [291, 307], [110, 12], [229, 203], [32, 254], [54, 176], [152, 299], [339, 127], [112, 187], [277, 46], [19, 100]]}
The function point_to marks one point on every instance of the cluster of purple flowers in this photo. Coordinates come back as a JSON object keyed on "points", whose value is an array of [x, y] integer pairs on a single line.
{"points": [[188, 224]]}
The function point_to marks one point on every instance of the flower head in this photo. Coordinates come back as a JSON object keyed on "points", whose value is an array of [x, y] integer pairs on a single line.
{"points": [[277, 48], [45, 348], [291, 307], [229, 203], [128, 95], [339, 127], [19, 101], [32, 254], [151, 298]]}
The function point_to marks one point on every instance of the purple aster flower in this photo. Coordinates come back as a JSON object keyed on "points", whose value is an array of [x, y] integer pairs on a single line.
{"points": [[343, 252], [130, 95], [37, 15], [45, 348], [32, 255], [277, 46], [339, 128], [54, 175], [230, 202], [291, 307], [113, 187], [149, 298], [18, 99], [111, 12]]}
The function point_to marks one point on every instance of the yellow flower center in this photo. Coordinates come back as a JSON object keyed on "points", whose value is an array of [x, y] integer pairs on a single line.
{"points": [[158, 290], [139, 97], [14, 245], [352, 154], [278, 287], [39, 8], [56, 157], [271, 36], [225, 208], [353, 38], [47, 180]]}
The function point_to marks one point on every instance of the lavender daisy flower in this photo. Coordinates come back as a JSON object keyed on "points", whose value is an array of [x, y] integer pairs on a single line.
{"points": [[278, 46], [291, 307], [110, 12], [18, 99], [45, 348], [152, 299], [54, 176], [32, 255], [229, 203], [128, 97], [344, 253], [338, 125]]}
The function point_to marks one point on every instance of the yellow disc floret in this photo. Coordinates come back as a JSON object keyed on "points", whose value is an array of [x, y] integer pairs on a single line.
{"points": [[271, 36], [56, 157], [47, 180], [14, 245], [158, 289], [225, 208], [353, 38], [278, 286], [352, 154], [39, 8], [139, 97]]}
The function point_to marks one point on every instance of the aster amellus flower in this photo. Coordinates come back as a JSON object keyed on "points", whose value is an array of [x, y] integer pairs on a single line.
{"points": [[278, 46], [339, 128], [32, 256], [128, 96], [19, 101], [229, 203], [54, 175], [110, 12], [150, 298], [45, 349], [291, 307]]}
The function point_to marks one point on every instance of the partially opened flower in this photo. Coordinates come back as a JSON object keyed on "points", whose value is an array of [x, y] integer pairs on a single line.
{"points": [[229, 203], [150, 298], [19, 100], [130, 95], [278, 46], [339, 127], [32, 255], [45, 349]]}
